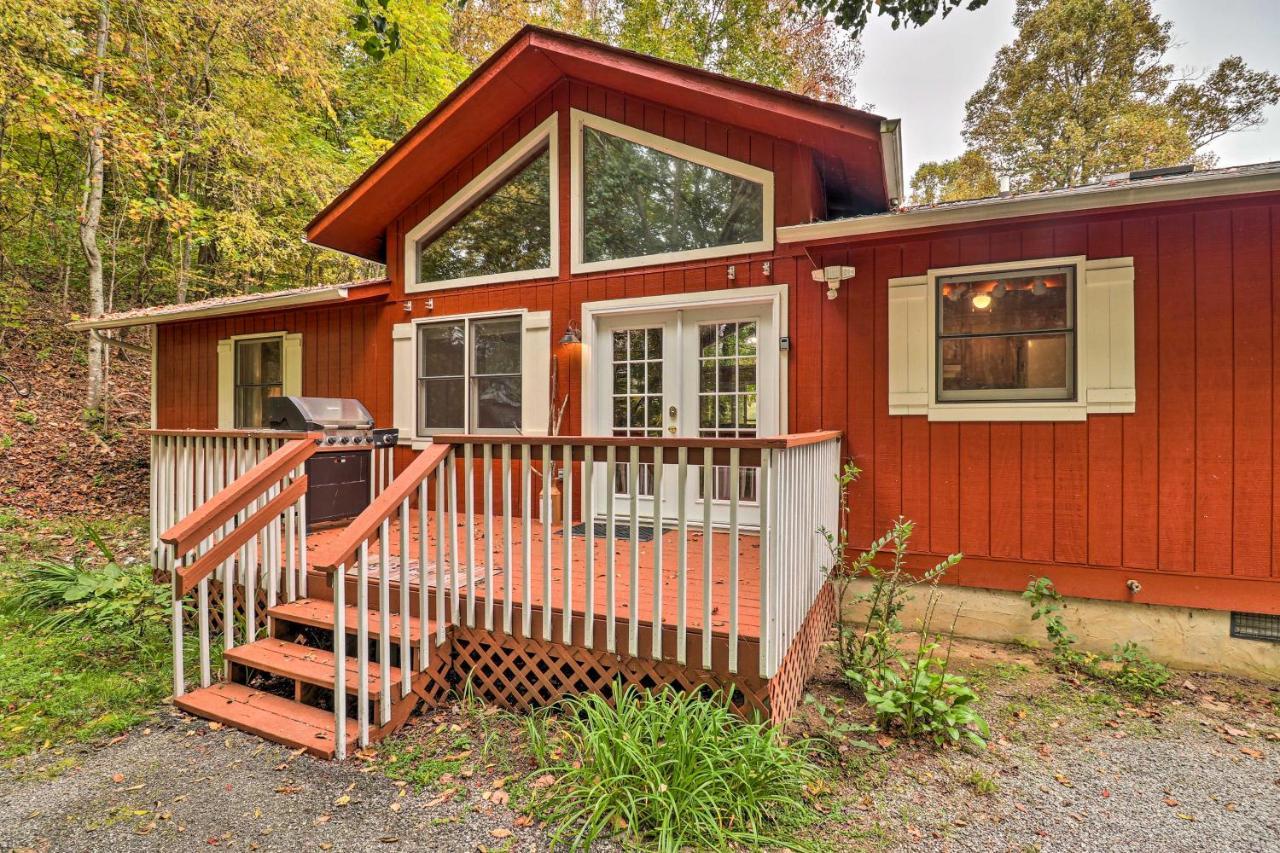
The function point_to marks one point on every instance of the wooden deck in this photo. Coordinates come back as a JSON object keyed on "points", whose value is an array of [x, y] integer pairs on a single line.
{"points": [[748, 586]]}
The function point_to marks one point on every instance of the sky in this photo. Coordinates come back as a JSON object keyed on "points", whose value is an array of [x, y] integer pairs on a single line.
{"points": [[925, 75]]}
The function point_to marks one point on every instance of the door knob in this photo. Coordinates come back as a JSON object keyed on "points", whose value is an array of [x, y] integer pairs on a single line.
{"points": [[672, 412]]}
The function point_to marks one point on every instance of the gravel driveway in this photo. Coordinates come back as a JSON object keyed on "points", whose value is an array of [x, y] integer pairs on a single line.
{"points": [[178, 785]]}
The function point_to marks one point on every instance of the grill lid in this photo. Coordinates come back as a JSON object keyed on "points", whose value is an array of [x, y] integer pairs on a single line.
{"points": [[312, 413]]}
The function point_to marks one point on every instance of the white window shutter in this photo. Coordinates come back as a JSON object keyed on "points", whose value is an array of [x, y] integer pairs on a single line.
{"points": [[293, 364], [226, 384], [1107, 336], [404, 393], [535, 386], [909, 342]]}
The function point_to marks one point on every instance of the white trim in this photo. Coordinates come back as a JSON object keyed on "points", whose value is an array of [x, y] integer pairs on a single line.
{"points": [[579, 119], [242, 305], [1070, 201], [482, 184], [774, 294]]}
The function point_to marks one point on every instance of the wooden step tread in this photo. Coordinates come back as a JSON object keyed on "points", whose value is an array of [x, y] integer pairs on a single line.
{"points": [[269, 716], [318, 613], [305, 663]]}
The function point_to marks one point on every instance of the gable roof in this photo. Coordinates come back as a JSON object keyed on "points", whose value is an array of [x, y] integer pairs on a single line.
{"points": [[243, 303], [847, 142]]}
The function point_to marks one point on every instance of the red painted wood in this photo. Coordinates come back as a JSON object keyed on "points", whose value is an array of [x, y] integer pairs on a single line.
{"points": [[1214, 416]]}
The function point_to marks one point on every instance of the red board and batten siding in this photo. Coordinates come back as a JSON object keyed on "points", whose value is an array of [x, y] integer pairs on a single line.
{"points": [[1182, 496]]}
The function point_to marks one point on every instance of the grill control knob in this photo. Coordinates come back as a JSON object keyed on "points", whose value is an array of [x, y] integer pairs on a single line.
{"points": [[330, 440]]}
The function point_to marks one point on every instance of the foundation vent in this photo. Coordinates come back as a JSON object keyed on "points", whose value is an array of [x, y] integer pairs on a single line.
{"points": [[1255, 626]]}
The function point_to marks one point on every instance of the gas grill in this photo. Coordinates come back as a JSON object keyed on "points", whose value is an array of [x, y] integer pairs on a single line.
{"points": [[340, 476]]}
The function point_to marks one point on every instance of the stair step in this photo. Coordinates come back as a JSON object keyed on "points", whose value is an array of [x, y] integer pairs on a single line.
{"points": [[268, 716], [305, 663], [318, 613]]}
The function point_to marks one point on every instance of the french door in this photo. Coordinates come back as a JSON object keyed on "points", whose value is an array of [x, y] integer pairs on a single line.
{"points": [[708, 372]]}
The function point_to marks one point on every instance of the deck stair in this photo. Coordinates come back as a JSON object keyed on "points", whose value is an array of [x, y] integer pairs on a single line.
{"points": [[289, 656]]}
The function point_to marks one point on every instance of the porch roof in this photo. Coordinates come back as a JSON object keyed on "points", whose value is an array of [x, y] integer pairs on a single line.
{"points": [[242, 303], [856, 151]]}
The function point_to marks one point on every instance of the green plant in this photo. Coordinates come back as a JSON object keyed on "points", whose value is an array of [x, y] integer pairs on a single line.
{"points": [[981, 783], [23, 416], [837, 732], [672, 770], [116, 598], [1137, 672]]}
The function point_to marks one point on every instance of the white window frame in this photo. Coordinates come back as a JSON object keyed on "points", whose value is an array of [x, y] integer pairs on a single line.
{"points": [[291, 370], [481, 185], [1104, 348], [467, 376], [578, 120]]}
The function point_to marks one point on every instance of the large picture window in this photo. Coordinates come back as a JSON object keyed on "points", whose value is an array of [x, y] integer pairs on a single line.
{"points": [[642, 198], [469, 375], [259, 375], [1007, 336]]}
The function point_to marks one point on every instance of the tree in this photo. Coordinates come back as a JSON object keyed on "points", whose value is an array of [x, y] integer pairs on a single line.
{"points": [[1085, 90], [772, 42], [852, 15], [968, 176], [91, 216]]}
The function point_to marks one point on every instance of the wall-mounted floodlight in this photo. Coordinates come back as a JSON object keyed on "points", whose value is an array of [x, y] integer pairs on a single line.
{"points": [[833, 276]]}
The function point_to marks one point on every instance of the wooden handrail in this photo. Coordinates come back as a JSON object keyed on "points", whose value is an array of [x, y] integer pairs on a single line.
{"points": [[189, 576], [224, 433], [222, 507], [366, 523], [773, 442]]}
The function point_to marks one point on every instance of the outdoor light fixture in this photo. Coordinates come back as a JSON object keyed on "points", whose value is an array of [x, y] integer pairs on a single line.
{"points": [[833, 276], [981, 301], [572, 334]]}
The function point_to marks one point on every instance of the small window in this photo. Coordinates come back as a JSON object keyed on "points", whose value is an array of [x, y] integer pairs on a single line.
{"points": [[509, 230], [1006, 337], [259, 374], [469, 375]]}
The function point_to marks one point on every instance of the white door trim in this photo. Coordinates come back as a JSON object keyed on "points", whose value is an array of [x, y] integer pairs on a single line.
{"points": [[773, 294]]}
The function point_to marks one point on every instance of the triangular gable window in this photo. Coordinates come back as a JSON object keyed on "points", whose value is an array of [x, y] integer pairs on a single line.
{"points": [[500, 227]]}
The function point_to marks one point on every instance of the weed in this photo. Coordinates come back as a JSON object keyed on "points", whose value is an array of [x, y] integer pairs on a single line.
{"points": [[23, 416], [981, 783], [672, 770]]}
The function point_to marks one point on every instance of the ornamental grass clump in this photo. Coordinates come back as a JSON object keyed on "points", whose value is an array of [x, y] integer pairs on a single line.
{"points": [[668, 769]]}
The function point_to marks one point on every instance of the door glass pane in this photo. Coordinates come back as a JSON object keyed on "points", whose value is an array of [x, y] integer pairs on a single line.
{"points": [[639, 201], [509, 230], [259, 374], [637, 396], [728, 399]]}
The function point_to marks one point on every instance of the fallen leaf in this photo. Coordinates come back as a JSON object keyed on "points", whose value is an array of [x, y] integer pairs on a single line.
{"points": [[500, 832], [342, 800], [1170, 802], [117, 778], [1252, 753], [500, 798]]}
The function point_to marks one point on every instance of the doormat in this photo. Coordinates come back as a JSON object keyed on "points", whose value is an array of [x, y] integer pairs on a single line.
{"points": [[620, 531], [459, 577]]}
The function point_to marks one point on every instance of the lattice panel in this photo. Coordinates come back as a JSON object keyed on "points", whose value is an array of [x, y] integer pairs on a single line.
{"points": [[786, 688], [523, 673], [216, 611]]}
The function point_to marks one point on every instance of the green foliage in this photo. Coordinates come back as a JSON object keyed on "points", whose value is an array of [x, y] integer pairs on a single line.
{"points": [[671, 770], [1131, 669], [981, 783], [60, 595], [382, 37], [968, 176], [853, 14]]}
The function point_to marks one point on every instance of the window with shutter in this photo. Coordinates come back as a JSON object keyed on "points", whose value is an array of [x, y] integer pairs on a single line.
{"points": [[252, 368]]}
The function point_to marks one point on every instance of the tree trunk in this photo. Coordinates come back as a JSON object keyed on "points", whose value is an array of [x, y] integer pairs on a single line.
{"points": [[184, 268], [89, 220]]}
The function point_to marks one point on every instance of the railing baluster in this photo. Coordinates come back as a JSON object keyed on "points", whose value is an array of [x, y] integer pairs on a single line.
{"points": [[764, 497], [506, 538], [708, 492], [633, 590], [362, 642], [547, 601], [206, 677], [406, 652], [340, 663], [682, 554], [441, 616], [455, 592], [487, 461], [469, 483], [384, 618], [656, 521], [422, 577], [589, 529], [526, 544], [734, 474], [566, 532], [610, 555]]}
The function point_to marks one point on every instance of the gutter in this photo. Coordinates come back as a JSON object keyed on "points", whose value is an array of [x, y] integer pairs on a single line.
{"points": [[197, 311], [995, 209], [891, 157]]}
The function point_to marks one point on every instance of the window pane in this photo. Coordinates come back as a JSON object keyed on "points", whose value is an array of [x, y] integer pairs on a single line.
{"points": [[441, 349], [639, 201], [1007, 363], [972, 305], [509, 230], [496, 346], [496, 404], [251, 405], [440, 404], [258, 362]]}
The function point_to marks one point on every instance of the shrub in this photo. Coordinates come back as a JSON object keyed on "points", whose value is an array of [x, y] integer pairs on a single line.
{"points": [[672, 770], [116, 598], [1131, 670]]}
